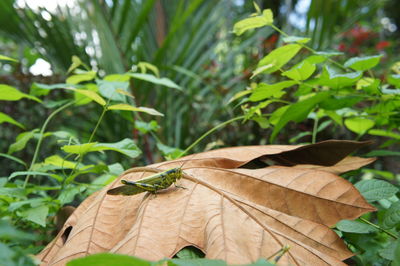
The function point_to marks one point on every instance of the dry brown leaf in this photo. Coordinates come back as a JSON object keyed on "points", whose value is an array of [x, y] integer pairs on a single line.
{"points": [[238, 215]]}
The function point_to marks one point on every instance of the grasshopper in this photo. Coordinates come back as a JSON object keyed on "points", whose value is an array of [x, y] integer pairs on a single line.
{"points": [[151, 183]]}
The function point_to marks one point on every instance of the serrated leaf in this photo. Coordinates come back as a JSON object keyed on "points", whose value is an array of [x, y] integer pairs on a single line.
{"points": [[8, 119], [78, 78], [6, 58], [92, 95], [253, 22], [296, 39], [37, 215], [155, 80], [359, 125], [335, 80], [279, 57], [301, 71], [127, 107], [8, 93], [355, 227], [391, 218], [363, 63], [298, 111], [374, 189], [264, 91]]}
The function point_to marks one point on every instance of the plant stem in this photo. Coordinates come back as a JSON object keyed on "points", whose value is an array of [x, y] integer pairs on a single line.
{"points": [[315, 130], [209, 132], [379, 228], [36, 153], [98, 123]]}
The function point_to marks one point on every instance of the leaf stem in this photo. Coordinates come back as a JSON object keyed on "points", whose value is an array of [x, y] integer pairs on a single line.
{"points": [[378, 227], [36, 153], [315, 130], [208, 133]]}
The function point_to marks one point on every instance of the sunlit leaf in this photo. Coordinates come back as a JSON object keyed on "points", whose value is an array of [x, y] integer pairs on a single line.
{"points": [[296, 39], [8, 119], [335, 80], [92, 95], [78, 78], [301, 71], [279, 57], [264, 91], [21, 141], [6, 58], [111, 89], [266, 18], [359, 125], [8, 93], [127, 107], [363, 63], [109, 259], [155, 80]]}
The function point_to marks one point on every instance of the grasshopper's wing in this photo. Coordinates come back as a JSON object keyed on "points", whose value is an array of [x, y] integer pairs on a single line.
{"points": [[126, 190]]}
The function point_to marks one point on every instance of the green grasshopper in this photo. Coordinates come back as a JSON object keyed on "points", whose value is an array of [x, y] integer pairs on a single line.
{"points": [[151, 183]]}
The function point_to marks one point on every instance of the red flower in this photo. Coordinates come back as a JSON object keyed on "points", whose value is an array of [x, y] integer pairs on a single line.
{"points": [[342, 47], [382, 45]]}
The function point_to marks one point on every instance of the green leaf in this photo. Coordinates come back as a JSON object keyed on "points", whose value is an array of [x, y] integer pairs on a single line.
{"points": [[296, 39], [25, 173], [253, 22], [389, 251], [68, 194], [125, 146], [264, 91], [279, 57], [391, 218], [146, 127], [339, 102], [196, 262], [363, 63], [369, 85], [359, 125], [355, 227], [110, 89], [21, 141], [301, 71], [76, 62], [384, 133], [155, 80], [92, 95], [297, 112], [60, 162], [40, 89], [8, 93], [190, 253], [37, 215], [8, 232], [105, 259], [394, 80], [396, 259], [78, 78], [127, 107], [169, 152], [8, 119], [6, 58], [12, 158], [374, 189], [336, 81], [383, 153], [12, 192]]}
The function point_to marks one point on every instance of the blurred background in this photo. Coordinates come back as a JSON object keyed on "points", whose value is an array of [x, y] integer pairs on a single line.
{"points": [[191, 42]]}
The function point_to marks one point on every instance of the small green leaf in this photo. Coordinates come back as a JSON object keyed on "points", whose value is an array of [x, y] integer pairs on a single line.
{"points": [[145, 127], [253, 22], [389, 251], [377, 153], [359, 125], [169, 152], [155, 80], [108, 259], [355, 227], [391, 218], [60, 162], [110, 89], [394, 80], [12, 158], [80, 149], [369, 85], [396, 259], [374, 189], [37, 215], [296, 39], [84, 76], [92, 95], [25, 173], [264, 91], [279, 57], [339, 102], [297, 112], [190, 253], [301, 71], [384, 133], [6, 58], [239, 95], [21, 141], [40, 89], [363, 63], [8, 119], [8, 93], [196, 262], [76, 62], [68, 194], [334, 80], [127, 107]]}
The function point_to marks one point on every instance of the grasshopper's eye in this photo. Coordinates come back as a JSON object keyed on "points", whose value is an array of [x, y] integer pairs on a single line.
{"points": [[124, 182]]}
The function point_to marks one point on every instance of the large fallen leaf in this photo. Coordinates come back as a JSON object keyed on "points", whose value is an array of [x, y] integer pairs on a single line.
{"points": [[229, 213]]}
